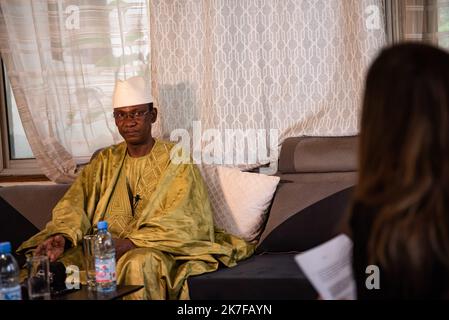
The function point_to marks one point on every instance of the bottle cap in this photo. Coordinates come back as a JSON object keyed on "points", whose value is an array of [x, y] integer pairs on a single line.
{"points": [[5, 247], [102, 225]]}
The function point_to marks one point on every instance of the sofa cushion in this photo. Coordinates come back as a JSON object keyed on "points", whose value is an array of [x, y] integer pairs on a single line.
{"points": [[318, 154], [299, 191], [34, 202], [310, 227], [240, 200], [268, 276]]}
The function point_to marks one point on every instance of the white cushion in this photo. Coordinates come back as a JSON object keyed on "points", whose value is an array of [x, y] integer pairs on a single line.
{"points": [[240, 200]]}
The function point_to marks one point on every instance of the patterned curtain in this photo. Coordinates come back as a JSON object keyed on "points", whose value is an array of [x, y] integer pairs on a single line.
{"points": [[296, 66], [293, 66], [62, 58]]}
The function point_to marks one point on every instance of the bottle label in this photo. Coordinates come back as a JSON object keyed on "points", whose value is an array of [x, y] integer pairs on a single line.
{"points": [[13, 293], [105, 270]]}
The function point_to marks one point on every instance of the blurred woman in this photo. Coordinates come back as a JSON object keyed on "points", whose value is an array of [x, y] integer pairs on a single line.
{"points": [[400, 214]]}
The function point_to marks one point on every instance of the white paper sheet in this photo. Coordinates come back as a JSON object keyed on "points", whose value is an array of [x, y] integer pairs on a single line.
{"points": [[329, 269]]}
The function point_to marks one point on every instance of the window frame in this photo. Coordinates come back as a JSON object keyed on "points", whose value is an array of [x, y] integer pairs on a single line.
{"points": [[8, 166]]}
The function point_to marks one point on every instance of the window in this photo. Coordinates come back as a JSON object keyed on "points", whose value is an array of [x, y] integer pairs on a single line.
{"points": [[19, 148], [85, 50], [418, 20], [16, 155]]}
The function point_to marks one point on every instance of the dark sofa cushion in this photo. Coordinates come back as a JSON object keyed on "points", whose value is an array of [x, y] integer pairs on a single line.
{"points": [[299, 191], [310, 227], [267, 277], [14, 227]]}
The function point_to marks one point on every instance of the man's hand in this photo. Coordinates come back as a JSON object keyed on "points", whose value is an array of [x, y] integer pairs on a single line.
{"points": [[53, 247], [122, 246]]}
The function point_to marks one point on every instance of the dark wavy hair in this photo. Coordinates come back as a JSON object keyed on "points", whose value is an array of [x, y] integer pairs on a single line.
{"points": [[404, 161]]}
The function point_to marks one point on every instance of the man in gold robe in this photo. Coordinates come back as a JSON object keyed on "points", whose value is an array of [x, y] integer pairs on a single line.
{"points": [[158, 211]]}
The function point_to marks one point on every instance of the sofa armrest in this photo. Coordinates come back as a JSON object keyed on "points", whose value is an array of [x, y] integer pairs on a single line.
{"points": [[318, 154], [34, 202]]}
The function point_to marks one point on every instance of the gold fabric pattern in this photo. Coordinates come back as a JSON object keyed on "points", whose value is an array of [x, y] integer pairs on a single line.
{"points": [[119, 212], [138, 177]]}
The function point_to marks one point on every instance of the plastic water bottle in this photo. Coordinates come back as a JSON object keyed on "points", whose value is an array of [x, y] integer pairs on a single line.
{"points": [[9, 274], [104, 251]]}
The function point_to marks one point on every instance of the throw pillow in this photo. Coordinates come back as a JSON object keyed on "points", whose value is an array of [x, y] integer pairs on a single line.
{"points": [[240, 200]]}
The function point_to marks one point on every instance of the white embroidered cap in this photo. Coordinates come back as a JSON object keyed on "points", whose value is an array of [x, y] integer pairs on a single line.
{"points": [[131, 92]]}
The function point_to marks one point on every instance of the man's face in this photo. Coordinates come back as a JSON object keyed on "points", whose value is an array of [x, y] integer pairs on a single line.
{"points": [[134, 123]]}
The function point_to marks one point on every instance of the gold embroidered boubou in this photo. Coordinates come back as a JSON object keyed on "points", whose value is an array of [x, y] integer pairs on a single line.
{"points": [[137, 182]]}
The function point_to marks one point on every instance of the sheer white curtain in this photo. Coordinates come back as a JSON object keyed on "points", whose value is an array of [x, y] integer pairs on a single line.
{"points": [[62, 58], [293, 65]]}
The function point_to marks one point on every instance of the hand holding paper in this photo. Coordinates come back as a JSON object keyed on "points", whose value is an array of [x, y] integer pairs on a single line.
{"points": [[328, 267]]}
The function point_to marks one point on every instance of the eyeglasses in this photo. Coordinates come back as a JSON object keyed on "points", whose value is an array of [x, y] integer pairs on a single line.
{"points": [[133, 115]]}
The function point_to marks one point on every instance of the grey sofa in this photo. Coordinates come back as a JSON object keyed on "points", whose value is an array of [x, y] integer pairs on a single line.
{"points": [[317, 175]]}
